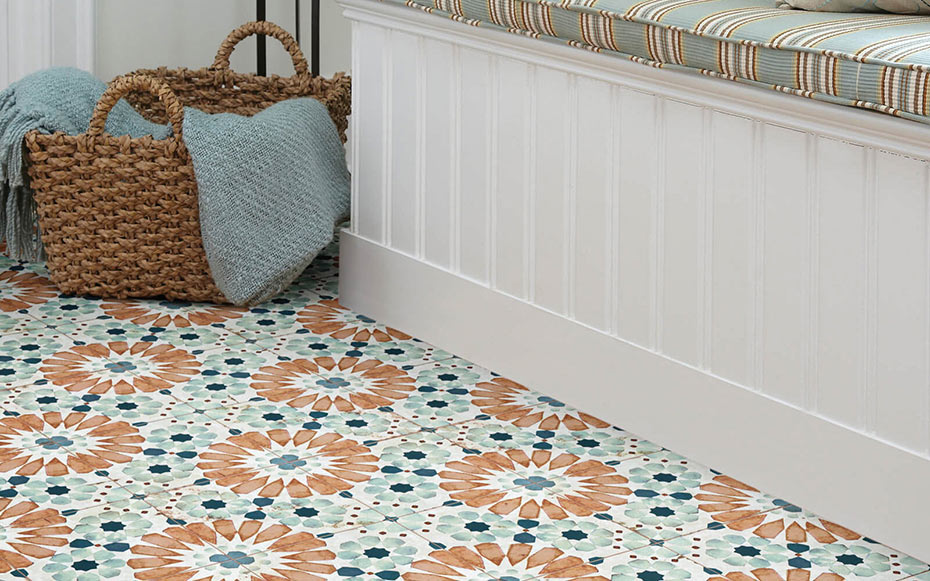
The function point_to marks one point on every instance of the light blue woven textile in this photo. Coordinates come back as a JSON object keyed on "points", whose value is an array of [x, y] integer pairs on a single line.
{"points": [[272, 188], [58, 99]]}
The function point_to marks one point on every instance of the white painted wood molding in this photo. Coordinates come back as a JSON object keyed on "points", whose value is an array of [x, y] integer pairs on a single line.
{"points": [[549, 211]]}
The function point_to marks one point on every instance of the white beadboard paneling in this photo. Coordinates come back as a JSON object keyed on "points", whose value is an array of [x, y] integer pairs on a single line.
{"points": [[731, 280], [475, 174], [639, 127], [682, 240], [841, 281], [371, 45], [785, 261], [553, 115], [510, 222], [5, 51], [404, 119], [900, 386], [595, 196], [439, 177]]}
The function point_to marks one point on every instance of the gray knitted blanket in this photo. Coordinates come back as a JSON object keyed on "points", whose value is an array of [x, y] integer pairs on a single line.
{"points": [[271, 187]]}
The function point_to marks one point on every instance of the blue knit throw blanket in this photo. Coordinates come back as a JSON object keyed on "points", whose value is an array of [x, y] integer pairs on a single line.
{"points": [[271, 187]]}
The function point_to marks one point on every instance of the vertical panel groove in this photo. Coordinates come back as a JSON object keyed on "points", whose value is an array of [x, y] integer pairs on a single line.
{"points": [[811, 387], [354, 130], [758, 230], [707, 241], [658, 234], [529, 193], [387, 113], [571, 183], [493, 168], [926, 385], [868, 410], [614, 169], [421, 148], [455, 259]]}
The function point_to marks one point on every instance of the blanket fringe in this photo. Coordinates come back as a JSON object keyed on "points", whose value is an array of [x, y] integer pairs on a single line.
{"points": [[19, 221]]}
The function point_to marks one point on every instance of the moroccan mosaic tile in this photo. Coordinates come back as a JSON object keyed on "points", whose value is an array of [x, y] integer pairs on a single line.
{"points": [[297, 440]]}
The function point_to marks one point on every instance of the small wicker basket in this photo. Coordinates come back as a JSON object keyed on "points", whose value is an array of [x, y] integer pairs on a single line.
{"points": [[118, 215], [218, 89]]}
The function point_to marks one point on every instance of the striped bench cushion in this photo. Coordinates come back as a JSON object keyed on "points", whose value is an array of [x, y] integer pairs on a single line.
{"points": [[873, 61]]}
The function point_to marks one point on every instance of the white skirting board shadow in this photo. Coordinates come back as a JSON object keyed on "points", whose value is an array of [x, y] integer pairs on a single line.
{"points": [[862, 483]]}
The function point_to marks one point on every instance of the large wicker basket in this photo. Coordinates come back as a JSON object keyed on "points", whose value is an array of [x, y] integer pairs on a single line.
{"points": [[119, 216], [218, 89]]}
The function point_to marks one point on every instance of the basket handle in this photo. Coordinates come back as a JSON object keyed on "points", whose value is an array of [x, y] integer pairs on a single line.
{"points": [[118, 89], [221, 61]]}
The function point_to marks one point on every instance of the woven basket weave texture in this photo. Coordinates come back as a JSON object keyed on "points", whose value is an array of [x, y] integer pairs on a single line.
{"points": [[119, 216]]}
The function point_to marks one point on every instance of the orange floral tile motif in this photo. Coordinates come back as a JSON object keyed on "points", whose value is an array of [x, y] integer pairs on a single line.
{"points": [[518, 561], [348, 384], [328, 317], [557, 485], [20, 289], [221, 549], [29, 533], [284, 463], [772, 575], [57, 445], [168, 314], [511, 402], [120, 367], [731, 502]]}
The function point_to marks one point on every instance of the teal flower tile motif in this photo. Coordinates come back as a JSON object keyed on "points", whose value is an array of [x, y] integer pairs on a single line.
{"points": [[67, 309], [452, 373], [104, 330], [369, 425], [19, 324], [862, 559], [70, 493], [22, 355], [666, 473], [110, 526], [431, 407], [304, 344], [454, 525], [332, 513], [224, 378], [632, 567], [408, 476], [410, 353], [368, 554], [746, 552], [100, 545], [610, 443], [490, 434], [84, 563], [650, 515]]}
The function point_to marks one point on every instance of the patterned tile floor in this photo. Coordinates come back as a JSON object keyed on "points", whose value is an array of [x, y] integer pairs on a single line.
{"points": [[299, 441]]}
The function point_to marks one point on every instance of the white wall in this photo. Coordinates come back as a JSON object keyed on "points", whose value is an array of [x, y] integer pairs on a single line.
{"points": [[35, 34], [135, 34]]}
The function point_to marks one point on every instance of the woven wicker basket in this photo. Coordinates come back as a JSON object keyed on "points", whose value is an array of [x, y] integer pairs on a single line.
{"points": [[119, 216], [220, 90]]}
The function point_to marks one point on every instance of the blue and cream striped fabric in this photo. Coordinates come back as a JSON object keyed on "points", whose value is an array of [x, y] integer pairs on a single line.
{"points": [[872, 61]]}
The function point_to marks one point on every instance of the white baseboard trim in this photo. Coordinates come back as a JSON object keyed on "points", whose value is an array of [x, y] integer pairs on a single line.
{"points": [[866, 484]]}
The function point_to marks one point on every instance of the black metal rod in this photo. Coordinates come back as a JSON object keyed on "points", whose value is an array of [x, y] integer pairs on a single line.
{"points": [[315, 41], [297, 21], [262, 67]]}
